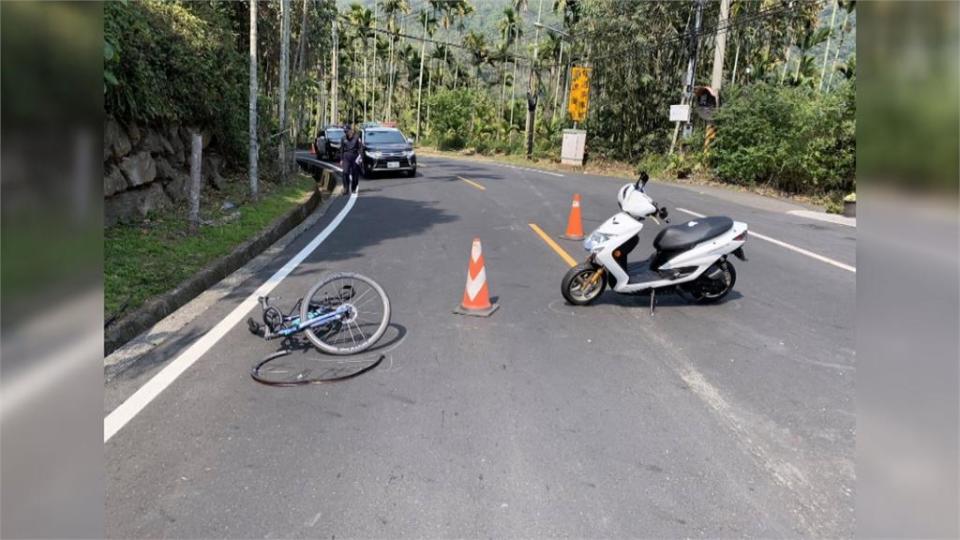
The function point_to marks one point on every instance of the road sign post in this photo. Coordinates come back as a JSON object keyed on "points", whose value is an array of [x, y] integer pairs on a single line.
{"points": [[574, 140], [572, 150]]}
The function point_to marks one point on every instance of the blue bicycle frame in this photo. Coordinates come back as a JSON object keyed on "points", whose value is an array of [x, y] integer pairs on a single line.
{"points": [[298, 326]]}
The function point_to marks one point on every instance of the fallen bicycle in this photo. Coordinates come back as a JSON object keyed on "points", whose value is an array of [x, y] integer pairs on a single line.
{"points": [[343, 314]]}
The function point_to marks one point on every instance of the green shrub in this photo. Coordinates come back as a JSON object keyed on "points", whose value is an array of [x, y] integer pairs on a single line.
{"points": [[451, 141], [790, 138], [654, 164], [483, 146], [168, 65], [450, 112]]}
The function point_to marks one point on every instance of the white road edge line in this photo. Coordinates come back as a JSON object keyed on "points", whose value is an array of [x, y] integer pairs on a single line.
{"points": [[127, 410], [822, 216], [791, 247]]}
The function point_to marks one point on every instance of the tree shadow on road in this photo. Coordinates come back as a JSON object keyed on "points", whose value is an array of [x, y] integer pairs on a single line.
{"points": [[374, 220]]}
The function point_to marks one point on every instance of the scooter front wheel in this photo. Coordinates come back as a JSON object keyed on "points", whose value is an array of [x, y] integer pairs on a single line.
{"points": [[582, 284]]}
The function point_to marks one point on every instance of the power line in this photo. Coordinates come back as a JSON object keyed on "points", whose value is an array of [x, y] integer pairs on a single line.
{"points": [[737, 22], [429, 40]]}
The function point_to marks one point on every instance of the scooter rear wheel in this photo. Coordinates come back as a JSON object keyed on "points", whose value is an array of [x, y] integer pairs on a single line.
{"points": [[581, 285], [707, 291]]}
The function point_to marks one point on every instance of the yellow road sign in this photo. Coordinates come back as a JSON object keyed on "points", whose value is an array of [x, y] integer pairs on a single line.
{"points": [[579, 93]]}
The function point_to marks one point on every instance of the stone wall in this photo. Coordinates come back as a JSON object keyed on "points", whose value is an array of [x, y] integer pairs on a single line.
{"points": [[147, 169]]}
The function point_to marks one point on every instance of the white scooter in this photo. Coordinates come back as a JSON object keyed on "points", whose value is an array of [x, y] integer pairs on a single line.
{"points": [[691, 257]]}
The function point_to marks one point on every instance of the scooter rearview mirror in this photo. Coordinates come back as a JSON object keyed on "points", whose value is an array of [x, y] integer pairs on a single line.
{"points": [[642, 181]]}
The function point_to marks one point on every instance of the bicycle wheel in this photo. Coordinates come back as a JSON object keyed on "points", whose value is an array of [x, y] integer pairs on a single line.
{"points": [[367, 317]]}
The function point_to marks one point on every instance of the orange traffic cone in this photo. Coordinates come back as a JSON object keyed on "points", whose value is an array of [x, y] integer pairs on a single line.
{"points": [[476, 295], [574, 224]]}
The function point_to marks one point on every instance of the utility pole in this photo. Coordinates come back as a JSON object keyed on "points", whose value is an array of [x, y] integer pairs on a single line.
{"points": [[423, 51], [284, 76], [334, 73], [687, 96], [720, 47], [253, 150], [532, 90]]}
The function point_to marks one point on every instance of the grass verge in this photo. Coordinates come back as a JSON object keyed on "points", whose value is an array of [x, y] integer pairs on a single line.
{"points": [[146, 259]]}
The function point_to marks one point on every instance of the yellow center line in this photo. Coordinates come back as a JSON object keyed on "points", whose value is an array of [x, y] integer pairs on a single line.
{"points": [[472, 183], [556, 247]]}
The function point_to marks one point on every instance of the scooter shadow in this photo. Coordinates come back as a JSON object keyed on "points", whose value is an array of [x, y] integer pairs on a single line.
{"points": [[663, 300]]}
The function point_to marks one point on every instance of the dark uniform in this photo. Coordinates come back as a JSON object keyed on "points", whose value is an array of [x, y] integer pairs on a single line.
{"points": [[349, 151]]}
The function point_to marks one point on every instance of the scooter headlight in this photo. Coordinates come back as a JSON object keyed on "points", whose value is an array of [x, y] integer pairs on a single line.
{"points": [[595, 241]]}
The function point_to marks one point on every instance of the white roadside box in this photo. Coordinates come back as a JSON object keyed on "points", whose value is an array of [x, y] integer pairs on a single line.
{"points": [[680, 113], [574, 142]]}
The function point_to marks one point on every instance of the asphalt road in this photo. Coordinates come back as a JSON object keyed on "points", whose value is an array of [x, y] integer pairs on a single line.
{"points": [[725, 420]]}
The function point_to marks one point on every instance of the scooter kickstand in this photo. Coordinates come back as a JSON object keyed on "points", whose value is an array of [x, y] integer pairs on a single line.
{"points": [[653, 301]]}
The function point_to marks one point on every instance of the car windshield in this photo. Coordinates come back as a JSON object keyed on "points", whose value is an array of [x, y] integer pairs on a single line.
{"points": [[374, 137], [335, 134]]}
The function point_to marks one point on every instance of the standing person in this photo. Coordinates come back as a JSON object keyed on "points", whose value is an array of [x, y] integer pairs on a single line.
{"points": [[349, 154]]}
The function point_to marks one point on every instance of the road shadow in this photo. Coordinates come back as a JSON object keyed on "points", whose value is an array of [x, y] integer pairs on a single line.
{"points": [[376, 219], [171, 346], [409, 182]]}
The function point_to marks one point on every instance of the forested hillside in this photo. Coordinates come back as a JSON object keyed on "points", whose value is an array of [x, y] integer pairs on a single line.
{"points": [[787, 77]]}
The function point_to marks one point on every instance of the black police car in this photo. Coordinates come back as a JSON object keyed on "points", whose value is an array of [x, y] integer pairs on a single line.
{"points": [[385, 149]]}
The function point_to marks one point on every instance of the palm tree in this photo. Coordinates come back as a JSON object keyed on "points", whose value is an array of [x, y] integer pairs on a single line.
{"points": [[499, 57], [511, 31], [393, 8], [549, 50], [453, 14], [361, 19], [429, 26], [848, 7], [509, 26], [810, 38], [476, 44]]}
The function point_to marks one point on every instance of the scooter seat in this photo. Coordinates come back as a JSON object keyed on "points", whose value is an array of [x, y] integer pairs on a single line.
{"points": [[686, 235]]}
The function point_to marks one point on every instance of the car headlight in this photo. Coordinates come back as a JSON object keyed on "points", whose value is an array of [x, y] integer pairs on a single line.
{"points": [[595, 241], [375, 154], [408, 154]]}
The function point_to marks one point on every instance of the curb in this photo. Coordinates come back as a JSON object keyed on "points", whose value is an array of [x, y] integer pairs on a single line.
{"points": [[157, 308]]}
